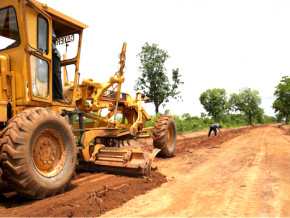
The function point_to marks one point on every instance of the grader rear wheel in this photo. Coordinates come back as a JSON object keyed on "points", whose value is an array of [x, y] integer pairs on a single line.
{"points": [[164, 134], [38, 153]]}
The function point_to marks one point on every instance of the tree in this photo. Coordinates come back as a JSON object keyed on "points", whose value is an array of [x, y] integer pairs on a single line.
{"points": [[186, 116], [260, 116], [247, 101], [214, 101], [282, 103], [269, 119], [153, 81]]}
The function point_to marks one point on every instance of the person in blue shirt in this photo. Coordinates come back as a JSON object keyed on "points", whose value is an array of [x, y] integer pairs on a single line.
{"points": [[213, 127]]}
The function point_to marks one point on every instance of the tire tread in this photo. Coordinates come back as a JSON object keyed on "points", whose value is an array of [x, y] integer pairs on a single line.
{"points": [[159, 135]]}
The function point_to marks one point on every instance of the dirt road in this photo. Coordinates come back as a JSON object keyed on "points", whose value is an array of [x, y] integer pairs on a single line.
{"points": [[243, 172], [246, 176]]}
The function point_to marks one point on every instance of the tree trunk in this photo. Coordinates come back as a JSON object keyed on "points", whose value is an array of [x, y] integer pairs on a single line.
{"points": [[250, 119], [286, 118], [156, 109], [214, 117], [157, 104]]}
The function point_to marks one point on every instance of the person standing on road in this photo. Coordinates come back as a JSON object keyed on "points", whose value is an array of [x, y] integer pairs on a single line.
{"points": [[213, 127]]}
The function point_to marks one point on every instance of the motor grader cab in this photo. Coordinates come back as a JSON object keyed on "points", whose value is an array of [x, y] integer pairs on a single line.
{"points": [[42, 140]]}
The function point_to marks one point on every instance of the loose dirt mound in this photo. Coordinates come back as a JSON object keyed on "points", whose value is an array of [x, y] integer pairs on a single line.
{"points": [[285, 128], [89, 195], [188, 144]]}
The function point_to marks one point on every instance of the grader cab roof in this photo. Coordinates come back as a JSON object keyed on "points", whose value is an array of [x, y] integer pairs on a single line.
{"points": [[64, 23]]}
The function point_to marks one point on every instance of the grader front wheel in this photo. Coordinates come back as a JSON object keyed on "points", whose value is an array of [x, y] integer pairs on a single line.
{"points": [[164, 135], [38, 153]]}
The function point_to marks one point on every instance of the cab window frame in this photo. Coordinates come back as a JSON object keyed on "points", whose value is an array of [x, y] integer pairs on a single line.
{"points": [[37, 76], [19, 38], [46, 51], [77, 46]]}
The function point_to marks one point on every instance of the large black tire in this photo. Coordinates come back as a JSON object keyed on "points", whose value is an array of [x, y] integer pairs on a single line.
{"points": [[164, 135], [38, 153]]}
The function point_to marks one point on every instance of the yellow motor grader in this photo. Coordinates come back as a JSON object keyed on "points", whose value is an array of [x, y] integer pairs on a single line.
{"points": [[42, 140]]}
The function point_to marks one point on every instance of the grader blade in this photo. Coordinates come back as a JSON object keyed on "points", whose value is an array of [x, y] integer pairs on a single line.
{"points": [[126, 159]]}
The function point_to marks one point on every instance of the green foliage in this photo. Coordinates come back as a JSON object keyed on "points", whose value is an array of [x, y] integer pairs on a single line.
{"points": [[185, 123], [186, 116], [153, 81], [247, 102], [260, 116], [214, 101], [233, 120], [269, 119], [282, 104], [203, 115], [167, 112], [151, 122], [188, 123], [120, 118], [279, 117]]}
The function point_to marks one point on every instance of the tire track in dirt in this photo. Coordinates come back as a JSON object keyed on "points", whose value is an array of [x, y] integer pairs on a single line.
{"points": [[246, 200], [91, 178], [201, 178]]}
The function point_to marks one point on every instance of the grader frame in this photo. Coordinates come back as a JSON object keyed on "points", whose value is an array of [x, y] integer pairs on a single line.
{"points": [[39, 149]]}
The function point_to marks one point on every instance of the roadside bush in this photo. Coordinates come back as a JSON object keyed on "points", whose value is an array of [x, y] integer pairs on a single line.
{"points": [[187, 123]]}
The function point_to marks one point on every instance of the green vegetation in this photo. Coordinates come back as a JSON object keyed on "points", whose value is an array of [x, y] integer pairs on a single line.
{"points": [[282, 104], [218, 107], [153, 81], [214, 101], [247, 101], [188, 123]]}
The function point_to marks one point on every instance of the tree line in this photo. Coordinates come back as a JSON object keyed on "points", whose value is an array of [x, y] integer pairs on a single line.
{"points": [[188, 123], [247, 102]]}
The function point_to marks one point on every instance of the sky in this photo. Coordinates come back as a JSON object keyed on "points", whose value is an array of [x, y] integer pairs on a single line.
{"points": [[214, 43]]}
